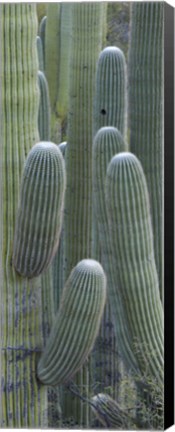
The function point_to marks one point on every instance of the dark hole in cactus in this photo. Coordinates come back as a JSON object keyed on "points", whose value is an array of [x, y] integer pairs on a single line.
{"points": [[103, 111]]}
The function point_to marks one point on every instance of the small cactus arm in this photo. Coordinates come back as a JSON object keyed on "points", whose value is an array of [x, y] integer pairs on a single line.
{"points": [[76, 324], [40, 53], [44, 108], [110, 90], [42, 33], [146, 116], [40, 211], [131, 240], [109, 413]]}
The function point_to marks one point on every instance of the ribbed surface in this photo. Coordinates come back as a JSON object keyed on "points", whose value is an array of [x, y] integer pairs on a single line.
{"points": [[110, 90], [40, 53], [39, 216], [146, 114], [108, 142], [44, 108], [23, 400], [110, 414], [132, 246], [76, 324], [86, 44]]}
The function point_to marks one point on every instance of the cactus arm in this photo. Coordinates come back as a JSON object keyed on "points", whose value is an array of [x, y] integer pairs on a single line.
{"points": [[44, 108], [110, 414], [132, 244], [76, 324], [40, 211], [40, 53], [146, 109], [42, 32], [110, 90]]}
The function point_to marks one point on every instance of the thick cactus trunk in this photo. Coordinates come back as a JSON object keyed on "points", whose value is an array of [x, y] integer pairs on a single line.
{"points": [[87, 25], [23, 399], [146, 109]]}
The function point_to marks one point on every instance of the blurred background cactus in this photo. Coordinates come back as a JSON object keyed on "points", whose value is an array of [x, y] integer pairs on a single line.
{"points": [[82, 341]]}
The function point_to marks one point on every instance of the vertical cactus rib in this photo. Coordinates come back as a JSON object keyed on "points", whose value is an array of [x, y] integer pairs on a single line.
{"points": [[132, 245], [40, 53], [76, 324], [21, 306], [42, 33], [44, 108], [40, 211], [110, 90], [146, 109]]}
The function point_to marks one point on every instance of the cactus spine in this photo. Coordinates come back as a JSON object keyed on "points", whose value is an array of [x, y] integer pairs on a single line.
{"points": [[39, 216], [21, 300], [44, 108], [132, 245], [76, 324], [110, 90], [146, 109]]}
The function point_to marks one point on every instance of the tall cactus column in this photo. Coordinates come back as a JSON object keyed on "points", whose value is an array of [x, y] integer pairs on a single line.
{"points": [[146, 108], [87, 24], [23, 399]]}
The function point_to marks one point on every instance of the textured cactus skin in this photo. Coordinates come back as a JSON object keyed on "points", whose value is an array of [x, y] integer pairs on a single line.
{"points": [[39, 216], [132, 245], [110, 90], [110, 414], [23, 401], [108, 142], [146, 83], [44, 108], [76, 324]]}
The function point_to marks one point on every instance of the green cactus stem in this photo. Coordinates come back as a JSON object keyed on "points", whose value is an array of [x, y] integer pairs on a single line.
{"points": [[110, 90], [44, 108], [146, 84], [23, 400], [131, 240], [39, 218], [109, 413], [40, 53], [108, 142], [76, 325], [42, 33]]}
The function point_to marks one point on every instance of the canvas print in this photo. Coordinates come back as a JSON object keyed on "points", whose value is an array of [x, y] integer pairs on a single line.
{"points": [[81, 225]]}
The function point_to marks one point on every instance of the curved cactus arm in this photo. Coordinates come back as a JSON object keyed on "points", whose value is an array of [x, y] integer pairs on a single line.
{"points": [[109, 413], [76, 324], [110, 90], [44, 108], [131, 240], [39, 217], [146, 114], [107, 142]]}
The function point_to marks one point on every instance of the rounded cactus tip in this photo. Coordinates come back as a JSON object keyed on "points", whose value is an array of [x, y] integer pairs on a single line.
{"points": [[112, 50], [123, 157], [91, 266]]}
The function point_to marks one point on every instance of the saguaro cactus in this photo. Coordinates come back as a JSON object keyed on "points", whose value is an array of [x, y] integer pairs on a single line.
{"points": [[76, 324], [146, 109], [44, 108], [40, 210], [23, 399], [132, 245], [110, 414], [110, 90]]}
